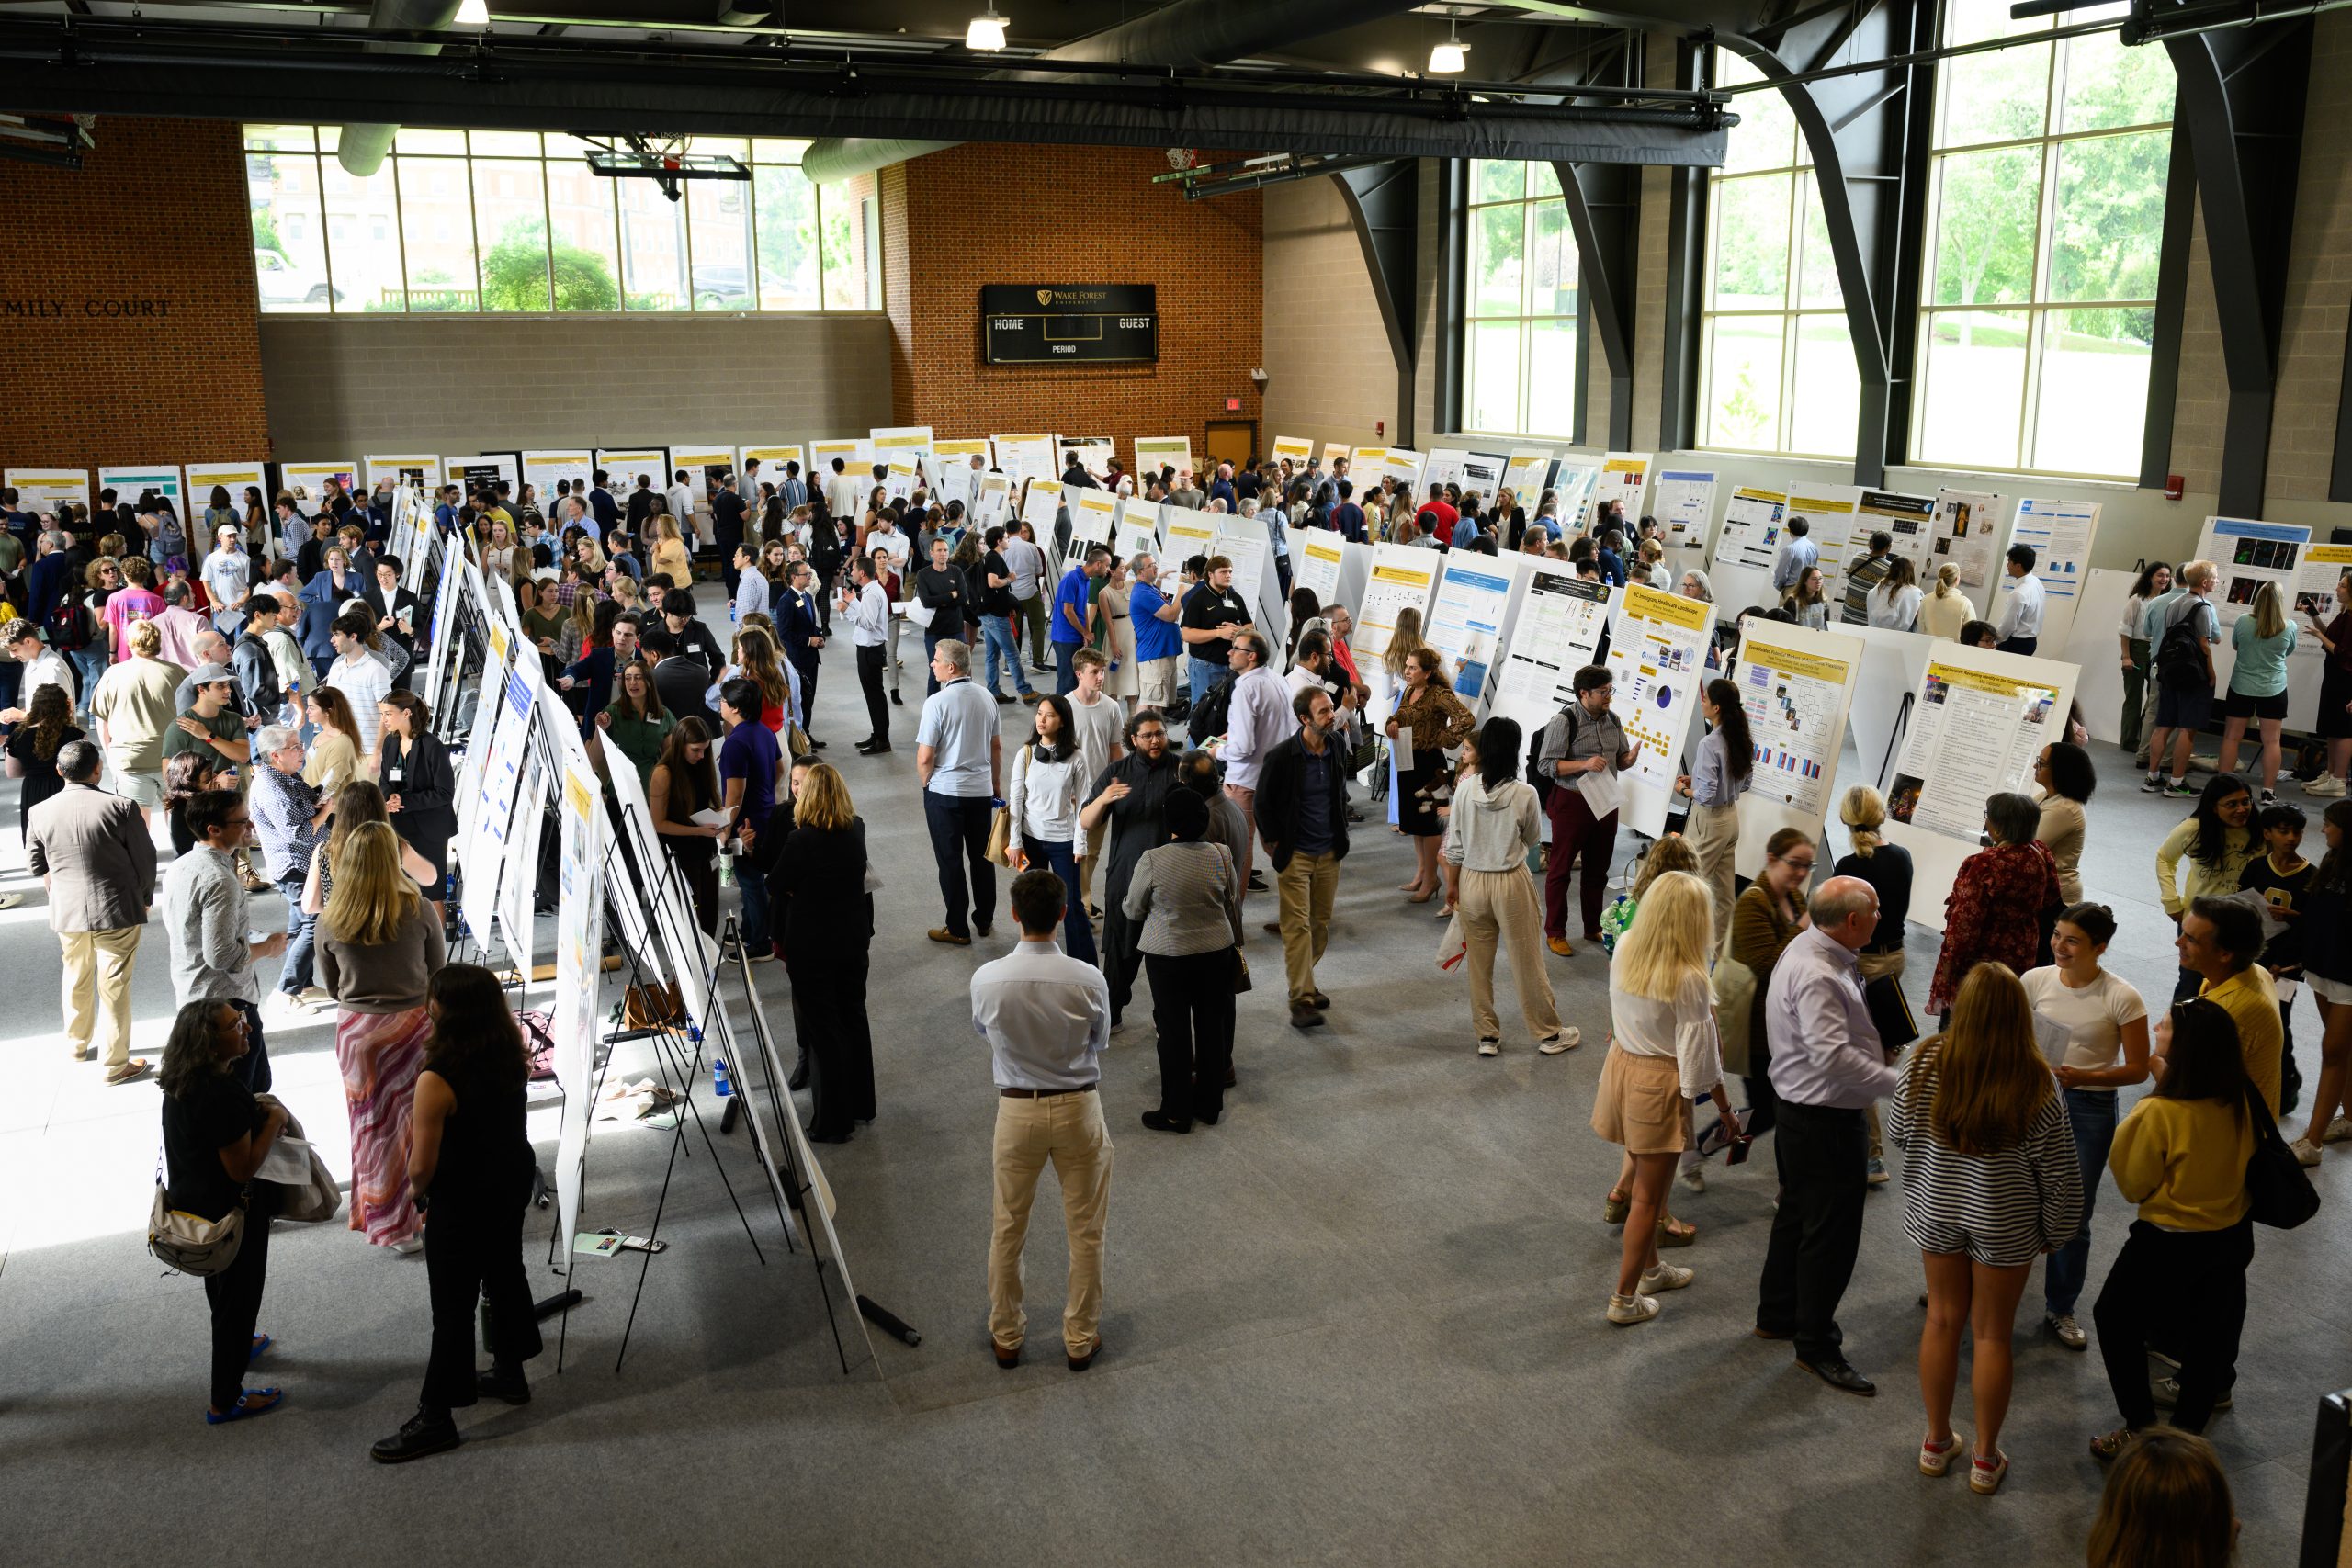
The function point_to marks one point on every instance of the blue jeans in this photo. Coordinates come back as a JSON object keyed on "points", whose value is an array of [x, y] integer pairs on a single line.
{"points": [[1065, 673], [1200, 674], [89, 663], [2091, 1113], [1078, 931], [300, 929], [996, 632], [752, 930], [960, 842]]}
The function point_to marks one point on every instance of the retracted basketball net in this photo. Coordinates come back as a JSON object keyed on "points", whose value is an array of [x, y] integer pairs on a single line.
{"points": [[664, 160]]}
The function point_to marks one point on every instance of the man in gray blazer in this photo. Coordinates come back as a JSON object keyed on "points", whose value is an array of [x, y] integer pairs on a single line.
{"points": [[92, 851]]}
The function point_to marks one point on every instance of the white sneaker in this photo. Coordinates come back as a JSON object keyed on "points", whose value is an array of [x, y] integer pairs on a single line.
{"points": [[2306, 1153], [1875, 1173], [2067, 1332], [1665, 1276], [1694, 1177], [2338, 1130], [1624, 1310], [1491, 1047], [1569, 1038], [316, 996], [2326, 784], [409, 1245]]}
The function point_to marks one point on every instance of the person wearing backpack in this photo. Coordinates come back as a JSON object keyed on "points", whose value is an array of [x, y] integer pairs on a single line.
{"points": [[2182, 629], [1584, 738]]}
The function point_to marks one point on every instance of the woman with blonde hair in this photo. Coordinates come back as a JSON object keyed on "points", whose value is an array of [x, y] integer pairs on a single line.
{"points": [[379, 944], [1672, 852], [337, 751], [670, 553], [499, 559], [2262, 640], [828, 926], [357, 804], [1945, 611], [1990, 1187], [1663, 1055]]}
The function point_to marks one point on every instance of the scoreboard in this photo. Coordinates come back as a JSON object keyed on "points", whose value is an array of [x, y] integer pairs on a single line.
{"points": [[1023, 323]]}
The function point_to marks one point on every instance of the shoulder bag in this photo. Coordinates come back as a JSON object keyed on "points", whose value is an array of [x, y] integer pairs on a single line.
{"points": [[2279, 1194], [190, 1243], [1735, 1007]]}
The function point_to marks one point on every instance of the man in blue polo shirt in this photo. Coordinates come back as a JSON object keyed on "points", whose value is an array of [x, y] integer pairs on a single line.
{"points": [[1073, 604], [1158, 641]]}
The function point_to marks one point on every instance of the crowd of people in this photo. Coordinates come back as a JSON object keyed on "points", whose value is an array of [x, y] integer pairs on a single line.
{"points": [[249, 705]]}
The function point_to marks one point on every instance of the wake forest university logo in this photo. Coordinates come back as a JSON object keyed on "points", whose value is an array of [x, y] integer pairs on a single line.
{"points": [[1045, 297]]}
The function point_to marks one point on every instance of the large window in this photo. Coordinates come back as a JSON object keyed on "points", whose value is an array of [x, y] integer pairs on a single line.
{"points": [[2045, 221], [1777, 368], [1521, 338], [459, 220]]}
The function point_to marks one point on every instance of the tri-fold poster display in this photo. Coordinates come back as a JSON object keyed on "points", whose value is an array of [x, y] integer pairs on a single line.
{"points": [[1795, 686], [1658, 657]]}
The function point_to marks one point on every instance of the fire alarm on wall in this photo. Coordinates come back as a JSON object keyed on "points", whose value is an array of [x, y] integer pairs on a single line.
{"points": [[1380, 427], [2173, 485]]}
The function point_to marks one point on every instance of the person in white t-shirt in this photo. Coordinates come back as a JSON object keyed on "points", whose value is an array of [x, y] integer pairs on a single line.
{"points": [[1098, 722], [680, 497], [2106, 1049]]}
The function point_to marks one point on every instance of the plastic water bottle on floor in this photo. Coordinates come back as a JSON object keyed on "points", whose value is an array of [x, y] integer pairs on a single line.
{"points": [[719, 1083]]}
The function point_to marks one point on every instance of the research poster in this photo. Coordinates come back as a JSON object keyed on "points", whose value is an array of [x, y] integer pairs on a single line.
{"points": [[1094, 453], [1295, 450], [2315, 583], [1483, 471], [953, 476], [858, 463], [772, 460], [2060, 533], [899, 478], [1684, 506], [131, 483], [1468, 619], [707, 469], [2250, 554], [1829, 513], [1040, 504], [1561, 618], [44, 489], [910, 444], [1367, 466], [1244, 542], [1795, 686], [1023, 456], [624, 466], [1525, 472], [1968, 534], [1332, 568], [1404, 465], [1136, 532], [1154, 452], [1977, 722], [1574, 484], [579, 952], [1444, 467], [1625, 477], [1752, 519], [1402, 579], [544, 470], [403, 469], [231, 476], [995, 499], [1093, 514], [517, 892], [309, 482], [1657, 656], [495, 828], [489, 468], [1908, 520], [1186, 533]]}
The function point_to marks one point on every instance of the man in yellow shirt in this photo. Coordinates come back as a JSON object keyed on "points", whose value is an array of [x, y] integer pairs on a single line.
{"points": [[2220, 940]]}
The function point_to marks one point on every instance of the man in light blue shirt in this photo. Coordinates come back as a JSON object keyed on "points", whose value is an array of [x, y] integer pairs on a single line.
{"points": [[2022, 612], [959, 756], [1797, 555]]}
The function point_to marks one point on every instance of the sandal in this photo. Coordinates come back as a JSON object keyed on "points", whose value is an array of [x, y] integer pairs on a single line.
{"points": [[1618, 1206], [261, 1342], [1672, 1232], [2109, 1444], [250, 1401]]}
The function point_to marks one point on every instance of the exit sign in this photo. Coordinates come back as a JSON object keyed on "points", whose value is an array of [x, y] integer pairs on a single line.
{"points": [[1233, 405]]}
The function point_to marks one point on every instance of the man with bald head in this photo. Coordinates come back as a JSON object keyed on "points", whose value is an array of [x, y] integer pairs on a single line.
{"points": [[1826, 1066]]}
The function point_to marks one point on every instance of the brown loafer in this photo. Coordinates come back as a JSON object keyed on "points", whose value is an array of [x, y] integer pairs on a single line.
{"points": [[1080, 1363], [1559, 944], [941, 933], [1006, 1359], [130, 1072]]}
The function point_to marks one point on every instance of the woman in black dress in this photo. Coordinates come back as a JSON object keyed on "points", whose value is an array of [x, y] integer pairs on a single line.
{"points": [[215, 1136], [819, 874], [469, 1170], [420, 789], [32, 749], [683, 782]]}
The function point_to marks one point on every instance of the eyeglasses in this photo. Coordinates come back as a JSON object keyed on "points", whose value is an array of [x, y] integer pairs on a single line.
{"points": [[1797, 864]]}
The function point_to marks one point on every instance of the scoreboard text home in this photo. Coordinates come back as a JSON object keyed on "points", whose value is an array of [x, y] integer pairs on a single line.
{"points": [[1047, 323]]}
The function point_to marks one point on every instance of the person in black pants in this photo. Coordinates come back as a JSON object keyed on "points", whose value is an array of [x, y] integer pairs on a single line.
{"points": [[1186, 895], [215, 1137], [828, 924], [420, 787], [469, 1166], [802, 635], [866, 607]]}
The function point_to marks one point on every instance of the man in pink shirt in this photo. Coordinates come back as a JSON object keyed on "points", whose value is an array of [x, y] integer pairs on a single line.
{"points": [[136, 600], [179, 625]]}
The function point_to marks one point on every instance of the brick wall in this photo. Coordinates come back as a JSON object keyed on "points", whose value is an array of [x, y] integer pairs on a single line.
{"points": [[153, 226], [1331, 375], [343, 386], [979, 214]]}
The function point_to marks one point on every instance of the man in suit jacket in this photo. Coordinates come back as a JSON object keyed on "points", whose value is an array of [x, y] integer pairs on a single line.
{"points": [[394, 607], [680, 681], [91, 852], [797, 622], [1301, 806]]}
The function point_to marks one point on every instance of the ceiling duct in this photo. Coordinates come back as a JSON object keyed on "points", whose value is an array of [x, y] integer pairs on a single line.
{"points": [[362, 147], [1195, 33]]}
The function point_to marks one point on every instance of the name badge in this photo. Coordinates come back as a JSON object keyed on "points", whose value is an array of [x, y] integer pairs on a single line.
{"points": [[394, 774]]}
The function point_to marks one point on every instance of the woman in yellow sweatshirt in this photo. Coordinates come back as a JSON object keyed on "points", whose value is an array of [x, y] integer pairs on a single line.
{"points": [[2216, 840], [2181, 1156]]}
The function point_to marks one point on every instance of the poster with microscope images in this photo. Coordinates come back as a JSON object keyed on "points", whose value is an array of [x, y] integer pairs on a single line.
{"points": [[1975, 730], [1752, 523], [1970, 532], [2250, 554], [1657, 652]]}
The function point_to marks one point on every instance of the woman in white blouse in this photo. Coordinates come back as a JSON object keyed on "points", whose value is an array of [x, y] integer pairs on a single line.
{"points": [[1893, 603], [1048, 786], [2152, 583], [1663, 1055]]}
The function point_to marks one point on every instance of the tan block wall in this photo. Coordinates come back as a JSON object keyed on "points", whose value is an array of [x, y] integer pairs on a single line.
{"points": [[2319, 277], [1330, 376]]}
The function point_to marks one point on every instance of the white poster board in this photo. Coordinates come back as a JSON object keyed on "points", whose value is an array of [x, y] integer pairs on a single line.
{"points": [[1470, 619], [543, 470], [234, 478], [706, 470], [579, 954], [1026, 457], [1754, 519], [624, 465], [1403, 465], [772, 460], [1245, 543], [899, 478], [2250, 554], [1896, 662], [1483, 472], [1970, 533], [1624, 478], [1828, 512], [1561, 618], [953, 476], [518, 889], [1154, 452], [1331, 567], [1977, 721], [403, 469], [1094, 453], [1444, 467], [1525, 472], [908, 443], [1093, 514], [1907, 520], [1574, 483], [1039, 506], [689, 953], [2060, 534], [494, 840], [44, 489], [857, 464], [1402, 578], [2095, 647], [1658, 657], [1184, 534], [309, 479], [1137, 529], [488, 468], [995, 500], [132, 482], [1298, 451], [1797, 685], [1685, 507]]}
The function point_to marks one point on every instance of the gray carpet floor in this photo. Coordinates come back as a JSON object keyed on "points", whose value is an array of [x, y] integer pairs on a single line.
{"points": [[1360, 1321]]}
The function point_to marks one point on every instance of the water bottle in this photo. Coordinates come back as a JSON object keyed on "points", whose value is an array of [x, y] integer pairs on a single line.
{"points": [[719, 1083], [726, 868]]}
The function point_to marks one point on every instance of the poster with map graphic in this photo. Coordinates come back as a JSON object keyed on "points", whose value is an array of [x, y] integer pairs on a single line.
{"points": [[1657, 653]]}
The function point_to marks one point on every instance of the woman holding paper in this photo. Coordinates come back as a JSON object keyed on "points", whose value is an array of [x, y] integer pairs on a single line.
{"points": [[2105, 1029], [1993, 913], [2138, 656], [1726, 761], [682, 789]]}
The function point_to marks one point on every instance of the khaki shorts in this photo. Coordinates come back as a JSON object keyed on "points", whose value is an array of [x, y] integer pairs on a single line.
{"points": [[1155, 682]]}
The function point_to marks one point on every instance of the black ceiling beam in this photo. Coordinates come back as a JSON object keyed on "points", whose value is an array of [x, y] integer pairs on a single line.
{"points": [[1868, 133], [1385, 204], [2241, 98], [1604, 207]]}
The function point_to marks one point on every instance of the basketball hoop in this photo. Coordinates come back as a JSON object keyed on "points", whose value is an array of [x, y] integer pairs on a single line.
{"points": [[664, 161]]}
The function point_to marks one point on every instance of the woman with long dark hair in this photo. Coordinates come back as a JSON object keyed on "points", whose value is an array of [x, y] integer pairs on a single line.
{"points": [[185, 776], [48, 723], [2181, 1156], [2153, 583], [2063, 782], [1430, 720], [469, 1168], [1493, 827], [591, 674], [683, 782], [1724, 769], [215, 1136], [420, 789], [1049, 782], [828, 924], [2217, 838]]}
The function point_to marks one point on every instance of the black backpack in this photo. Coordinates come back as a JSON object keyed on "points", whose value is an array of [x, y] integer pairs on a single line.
{"points": [[1209, 715], [2182, 663], [1542, 778], [70, 626]]}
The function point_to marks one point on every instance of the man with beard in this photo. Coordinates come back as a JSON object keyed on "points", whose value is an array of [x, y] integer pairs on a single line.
{"points": [[1130, 795]]}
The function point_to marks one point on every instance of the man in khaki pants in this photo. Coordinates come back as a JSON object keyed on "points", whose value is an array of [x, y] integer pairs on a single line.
{"points": [[1301, 803], [93, 853], [1046, 1018]]}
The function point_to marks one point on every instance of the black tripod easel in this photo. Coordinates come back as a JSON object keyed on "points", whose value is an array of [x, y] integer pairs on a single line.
{"points": [[1895, 737]]}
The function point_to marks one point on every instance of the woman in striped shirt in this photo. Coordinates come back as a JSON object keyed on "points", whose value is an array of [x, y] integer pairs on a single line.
{"points": [[1990, 1185]]}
